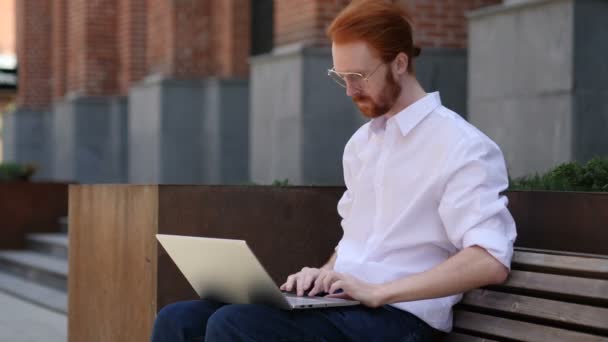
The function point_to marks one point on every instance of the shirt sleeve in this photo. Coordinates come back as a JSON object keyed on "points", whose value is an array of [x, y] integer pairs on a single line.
{"points": [[473, 211], [346, 201]]}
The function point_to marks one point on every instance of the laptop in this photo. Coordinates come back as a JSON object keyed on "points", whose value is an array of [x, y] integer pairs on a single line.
{"points": [[227, 271]]}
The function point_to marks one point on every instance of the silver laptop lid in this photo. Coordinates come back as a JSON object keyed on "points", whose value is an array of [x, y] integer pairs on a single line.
{"points": [[223, 269]]}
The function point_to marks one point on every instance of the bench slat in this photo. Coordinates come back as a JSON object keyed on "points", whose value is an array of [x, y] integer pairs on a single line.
{"points": [[584, 317], [458, 337], [557, 252], [581, 290], [497, 327], [560, 264]]}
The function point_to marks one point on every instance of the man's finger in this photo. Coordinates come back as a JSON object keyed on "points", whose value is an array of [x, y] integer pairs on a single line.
{"points": [[341, 295], [335, 286], [329, 280], [289, 283], [315, 288], [318, 285], [304, 284]]}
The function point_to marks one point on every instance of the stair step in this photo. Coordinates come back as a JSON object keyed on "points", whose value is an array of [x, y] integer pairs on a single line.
{"points": [[63, 224], [53, 244], [46, 297], [47, 271]]}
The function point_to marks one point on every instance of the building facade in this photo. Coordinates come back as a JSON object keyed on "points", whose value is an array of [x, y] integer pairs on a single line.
{"points": [[208, 91], [538, 84]]}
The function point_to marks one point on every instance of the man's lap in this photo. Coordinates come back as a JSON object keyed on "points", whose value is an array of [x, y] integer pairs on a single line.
{"points": [[195, 319]]}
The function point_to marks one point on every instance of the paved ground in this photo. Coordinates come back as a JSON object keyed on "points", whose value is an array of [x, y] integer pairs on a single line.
{"points": [[21, 321]]}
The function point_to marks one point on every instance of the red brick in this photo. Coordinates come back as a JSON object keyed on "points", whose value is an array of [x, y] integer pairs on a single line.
{"points": [[198, 38], [305, 20], [92, 58], [231, 37], [449, 17], [159, 36], [59, 48], [34, 53], [131, 43]]}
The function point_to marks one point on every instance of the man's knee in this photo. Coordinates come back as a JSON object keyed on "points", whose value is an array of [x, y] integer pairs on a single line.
{"points": [[167, 316], [226, 316], [182, 319], [235, 320], [166, 325]]}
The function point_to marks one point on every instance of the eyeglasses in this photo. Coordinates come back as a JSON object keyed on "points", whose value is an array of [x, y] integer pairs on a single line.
{"points": [[355, 79]]}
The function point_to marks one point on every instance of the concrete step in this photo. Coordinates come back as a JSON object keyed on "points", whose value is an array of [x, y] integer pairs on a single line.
{"points": [[63, 224], [52, 244], [21, 321], [43, 296], [36, 267]]}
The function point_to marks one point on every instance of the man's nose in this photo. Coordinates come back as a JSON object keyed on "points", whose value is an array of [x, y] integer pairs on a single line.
{"points": [[351, 90]]}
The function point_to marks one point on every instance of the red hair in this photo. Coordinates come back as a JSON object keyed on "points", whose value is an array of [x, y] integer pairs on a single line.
{"points": [[384, 26]]}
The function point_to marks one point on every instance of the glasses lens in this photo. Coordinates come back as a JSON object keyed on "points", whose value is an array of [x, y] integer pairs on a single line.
{"points": [[336, 77], [355, 80]]}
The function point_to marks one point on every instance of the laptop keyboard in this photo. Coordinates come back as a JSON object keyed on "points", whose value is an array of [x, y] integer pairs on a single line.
{"points": [[295, 300]]}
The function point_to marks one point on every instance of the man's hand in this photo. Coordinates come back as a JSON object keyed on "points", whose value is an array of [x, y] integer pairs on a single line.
{"points": [[302, 280], [354, 288], [308, 276], [325, 280]]}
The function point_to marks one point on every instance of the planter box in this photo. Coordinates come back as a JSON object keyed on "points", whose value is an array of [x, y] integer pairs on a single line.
{"points": [[30, 207], [564, 221], [120, 277]]}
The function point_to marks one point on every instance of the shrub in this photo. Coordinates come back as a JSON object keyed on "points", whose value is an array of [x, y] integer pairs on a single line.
{"points": [[592, 176], [10, 172]]}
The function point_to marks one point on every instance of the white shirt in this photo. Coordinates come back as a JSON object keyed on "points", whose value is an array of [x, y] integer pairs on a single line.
{"points": [[421, 186]]}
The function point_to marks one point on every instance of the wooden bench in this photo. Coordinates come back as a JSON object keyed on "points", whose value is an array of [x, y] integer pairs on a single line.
{"points": [[549, 296]]}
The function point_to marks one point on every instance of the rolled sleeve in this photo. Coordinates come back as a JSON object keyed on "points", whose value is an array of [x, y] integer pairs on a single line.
{"points": [[346, 201], [472, 210]]}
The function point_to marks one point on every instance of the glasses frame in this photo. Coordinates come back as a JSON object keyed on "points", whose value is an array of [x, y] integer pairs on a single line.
{"points": [[343, 75]]}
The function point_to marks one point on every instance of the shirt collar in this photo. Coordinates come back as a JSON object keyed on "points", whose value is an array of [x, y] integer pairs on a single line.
{"points": [[410, 116]]}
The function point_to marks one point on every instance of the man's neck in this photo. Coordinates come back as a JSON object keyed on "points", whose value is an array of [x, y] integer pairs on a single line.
{"points": [[411, 91]]}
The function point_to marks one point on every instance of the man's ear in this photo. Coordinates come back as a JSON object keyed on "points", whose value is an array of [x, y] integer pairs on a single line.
{"points": [[401, 63]]}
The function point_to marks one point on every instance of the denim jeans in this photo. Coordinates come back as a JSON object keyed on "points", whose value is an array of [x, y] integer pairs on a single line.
{"points": [[206, 320]]}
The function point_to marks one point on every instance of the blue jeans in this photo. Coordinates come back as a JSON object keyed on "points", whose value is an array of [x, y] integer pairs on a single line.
{"points": [[205, 320]]}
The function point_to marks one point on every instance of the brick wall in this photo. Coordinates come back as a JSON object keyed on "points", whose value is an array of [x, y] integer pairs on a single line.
{"points": [[198, 38], [59, 48], [438, 23], [105, 46], [231, 43], [102, 47], [192, 55], [101, 57], [304, 20], [34, 53], [159, 36], [75, 45], [442, 23], [131, 42]]}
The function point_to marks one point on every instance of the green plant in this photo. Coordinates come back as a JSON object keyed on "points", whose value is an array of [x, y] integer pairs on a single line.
{"points": [[10, 171], [281, 182], [572, 176]]}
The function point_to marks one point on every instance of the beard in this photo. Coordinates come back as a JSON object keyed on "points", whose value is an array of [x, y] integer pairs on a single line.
{"points": [[386, 100]]}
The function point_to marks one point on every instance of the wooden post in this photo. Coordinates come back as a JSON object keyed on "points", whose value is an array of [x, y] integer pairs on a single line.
{"points": [[112, 262]]}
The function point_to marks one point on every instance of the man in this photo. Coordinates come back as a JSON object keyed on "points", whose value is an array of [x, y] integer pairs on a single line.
{"points": [[423, 217]]}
